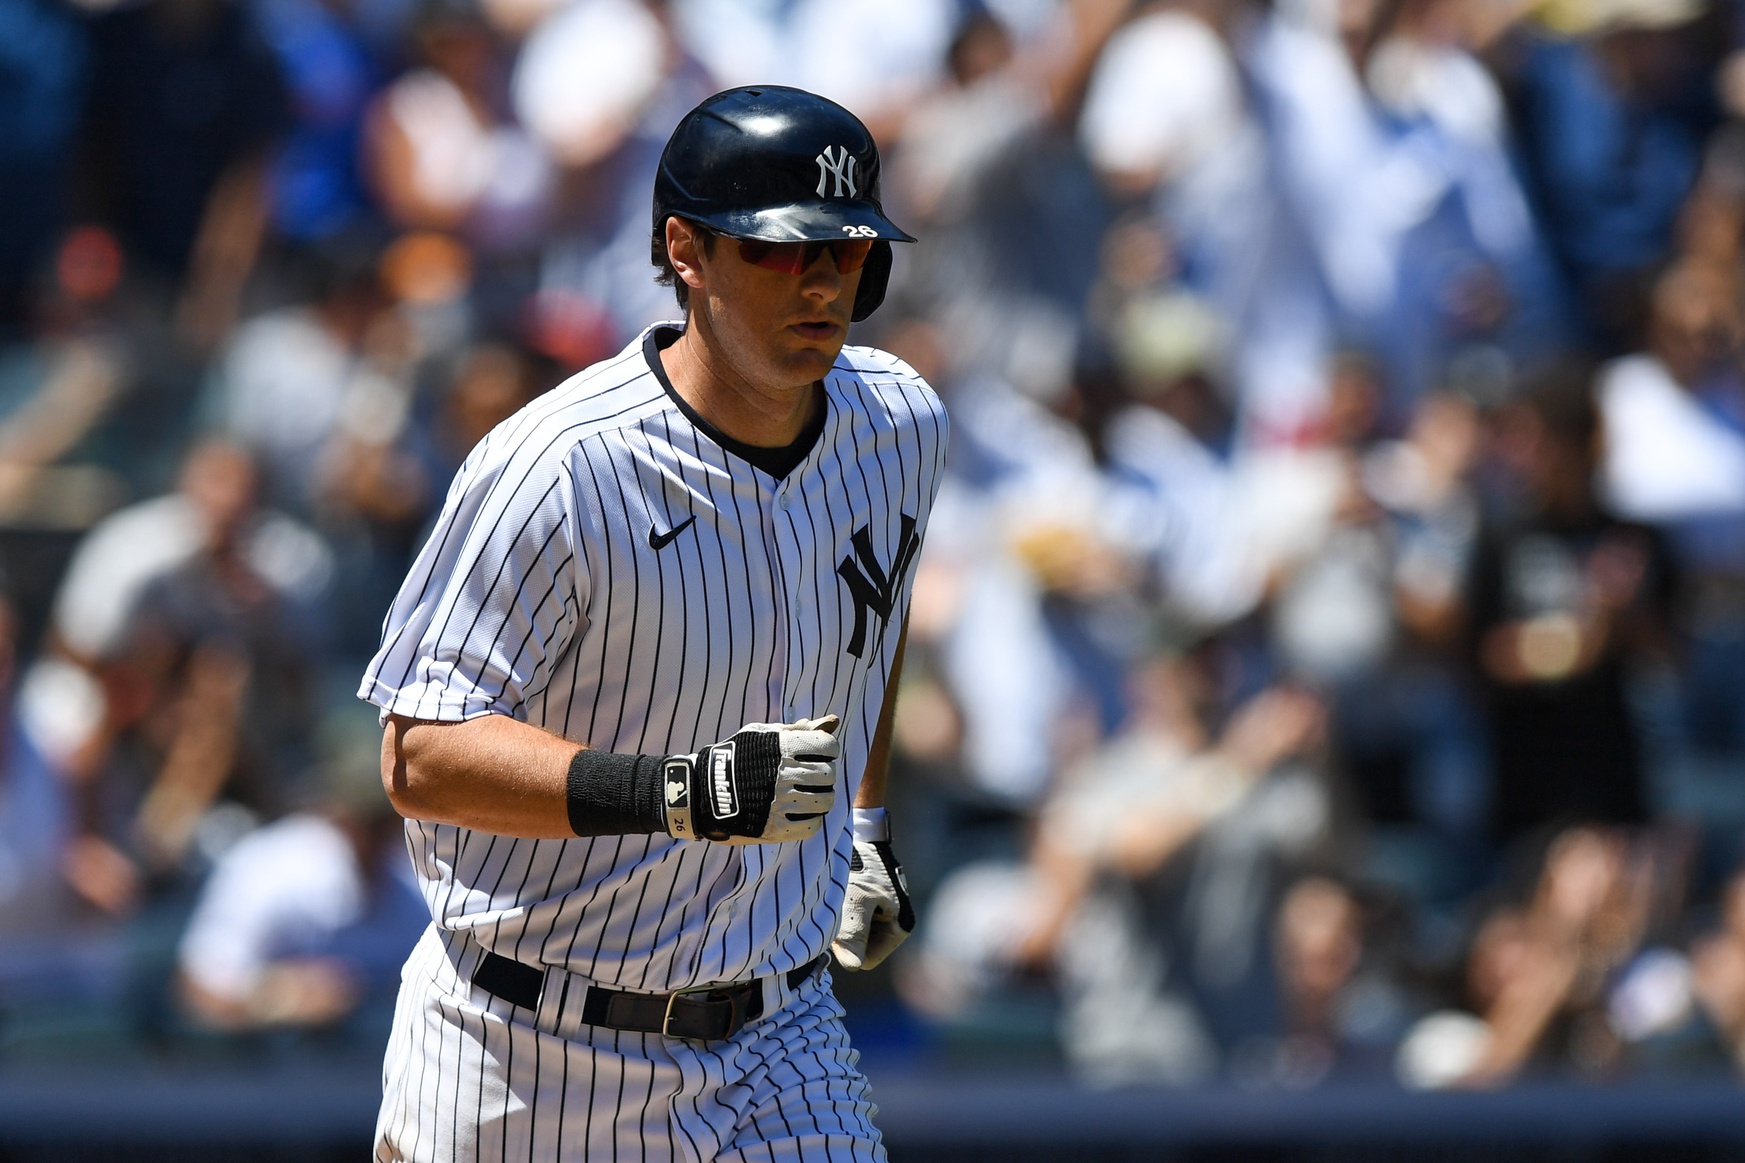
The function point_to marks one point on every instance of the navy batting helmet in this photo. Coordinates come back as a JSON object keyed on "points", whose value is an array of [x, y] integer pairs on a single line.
{"points": [[780, 165]]}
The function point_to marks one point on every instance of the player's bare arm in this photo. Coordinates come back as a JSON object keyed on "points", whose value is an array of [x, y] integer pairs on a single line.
{"points": [[493, 773], [769, 783], [877, 914], [871, 794]]}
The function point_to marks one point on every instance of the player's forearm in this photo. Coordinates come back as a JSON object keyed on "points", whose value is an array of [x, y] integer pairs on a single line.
{"points": [[871, 793], [493, 773], [769, 783]]}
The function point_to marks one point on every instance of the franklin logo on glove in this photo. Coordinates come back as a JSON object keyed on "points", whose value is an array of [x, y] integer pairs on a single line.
{"points": [[721, 775], [770, 783]]}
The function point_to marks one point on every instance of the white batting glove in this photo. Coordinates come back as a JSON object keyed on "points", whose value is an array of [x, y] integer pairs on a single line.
{"points": [[877, 915], [770, 783]]}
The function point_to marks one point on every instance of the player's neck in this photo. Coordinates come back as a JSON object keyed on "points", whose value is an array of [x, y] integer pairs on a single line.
{"points": [[749, 412]]}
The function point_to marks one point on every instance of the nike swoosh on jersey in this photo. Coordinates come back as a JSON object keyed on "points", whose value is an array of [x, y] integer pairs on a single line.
{"points": [[662, 540]]}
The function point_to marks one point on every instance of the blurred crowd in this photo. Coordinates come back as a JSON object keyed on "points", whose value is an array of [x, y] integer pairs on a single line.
{"points": [[1328, 658]]}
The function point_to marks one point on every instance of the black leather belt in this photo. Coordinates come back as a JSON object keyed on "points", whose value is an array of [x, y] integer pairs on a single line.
{"points": [[706, 1014]]}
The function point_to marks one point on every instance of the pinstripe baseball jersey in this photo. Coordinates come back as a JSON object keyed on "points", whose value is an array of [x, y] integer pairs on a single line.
{"points": [[610, 567]]}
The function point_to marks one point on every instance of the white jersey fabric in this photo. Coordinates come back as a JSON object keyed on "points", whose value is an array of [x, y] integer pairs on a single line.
{"points": [[609, 567]]}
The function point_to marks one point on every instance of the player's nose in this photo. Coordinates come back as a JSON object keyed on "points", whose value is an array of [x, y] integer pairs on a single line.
{"points": [[821, 280]]}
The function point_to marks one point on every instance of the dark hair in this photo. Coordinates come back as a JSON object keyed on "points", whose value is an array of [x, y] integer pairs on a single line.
{"points": [[664, 274], [1562, 397]]}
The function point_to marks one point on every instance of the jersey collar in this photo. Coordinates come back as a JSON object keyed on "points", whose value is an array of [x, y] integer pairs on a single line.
{"points": [[773, 462]]}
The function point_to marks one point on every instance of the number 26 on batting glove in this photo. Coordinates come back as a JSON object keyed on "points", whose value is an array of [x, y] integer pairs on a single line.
{"points": [[876, 913]]}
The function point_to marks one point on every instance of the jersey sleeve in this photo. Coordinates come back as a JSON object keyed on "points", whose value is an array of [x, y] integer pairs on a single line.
{"points": [[918, 467], [494, 598]]}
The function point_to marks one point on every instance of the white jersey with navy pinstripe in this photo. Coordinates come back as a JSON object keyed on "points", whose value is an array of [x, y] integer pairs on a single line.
{"points": [[609, 567]]}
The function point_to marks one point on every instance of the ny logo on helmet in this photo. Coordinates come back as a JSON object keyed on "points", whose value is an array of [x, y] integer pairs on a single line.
{"points": [[842, 168]]}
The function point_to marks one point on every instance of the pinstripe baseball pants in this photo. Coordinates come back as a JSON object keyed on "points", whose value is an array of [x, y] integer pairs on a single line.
{"points": [[467, 1078]]}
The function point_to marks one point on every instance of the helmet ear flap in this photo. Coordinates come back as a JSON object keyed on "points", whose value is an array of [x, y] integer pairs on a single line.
{"points": [[875, 274]]}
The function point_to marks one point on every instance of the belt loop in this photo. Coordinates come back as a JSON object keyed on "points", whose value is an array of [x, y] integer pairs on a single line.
{"points": [[781, 988], [544, 996]]}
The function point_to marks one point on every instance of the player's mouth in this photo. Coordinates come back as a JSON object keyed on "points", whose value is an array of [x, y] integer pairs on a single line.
{"points": [[822, 330]]}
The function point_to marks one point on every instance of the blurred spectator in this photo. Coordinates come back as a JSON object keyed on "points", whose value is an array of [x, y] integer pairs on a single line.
{"points": [[439, 151], [429, 155], [1373, 619], [329, 73], [1717, 975], [998, 87], [1339, 1006], [1164, 98], [1151, 875], [600, 84], [1190, 501], [52, 398], [1675, 458], [42, 84], [1615, 110], [1564, 600], [1389, 149], [186, 103], [131, 549], [1168, 116], [989, 159], [1241, 814], [326, 396], [284, 381], [900, 47], [1033, 556], [1674, 449], [1544, 976], [34, 815], [304, 919], [182, 673], [491, 383]]}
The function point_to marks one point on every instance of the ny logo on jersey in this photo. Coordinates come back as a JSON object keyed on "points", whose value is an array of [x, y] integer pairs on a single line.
{"points": [[871, 587], [841, 167]]}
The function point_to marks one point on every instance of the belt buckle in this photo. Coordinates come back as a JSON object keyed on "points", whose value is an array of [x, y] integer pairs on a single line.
{"points": [[666, 1025]]}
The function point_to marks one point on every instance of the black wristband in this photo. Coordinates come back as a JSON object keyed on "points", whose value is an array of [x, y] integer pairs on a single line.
{"points": [[608, 794]]}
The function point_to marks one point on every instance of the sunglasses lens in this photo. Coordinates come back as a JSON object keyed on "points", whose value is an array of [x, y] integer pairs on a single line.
{"points": [[788, 258], [851, 255], [794, 258]]}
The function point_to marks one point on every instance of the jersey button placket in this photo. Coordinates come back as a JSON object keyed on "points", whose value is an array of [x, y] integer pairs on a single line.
{"points": [[774, 512], [782, 530]]}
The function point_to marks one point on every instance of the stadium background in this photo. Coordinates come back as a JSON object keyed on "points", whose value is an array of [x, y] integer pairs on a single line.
{"points": [[1324, 722]]}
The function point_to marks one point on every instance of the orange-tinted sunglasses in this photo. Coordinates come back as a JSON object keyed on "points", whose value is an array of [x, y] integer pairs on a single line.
{"points": [[794, 258]]}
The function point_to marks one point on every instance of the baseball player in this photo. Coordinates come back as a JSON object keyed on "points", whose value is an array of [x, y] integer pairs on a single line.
{"points": [[637, 693]]}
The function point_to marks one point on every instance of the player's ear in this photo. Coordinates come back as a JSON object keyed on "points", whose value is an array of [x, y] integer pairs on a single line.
{"points": [[685, 250]]}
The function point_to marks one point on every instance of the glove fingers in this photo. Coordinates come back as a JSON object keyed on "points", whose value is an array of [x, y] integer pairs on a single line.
{"points": [[804, 803], [782, 830], [849, 956], [849, 948], [811, 745], [812, 773], [881, 942], [853, 929]]}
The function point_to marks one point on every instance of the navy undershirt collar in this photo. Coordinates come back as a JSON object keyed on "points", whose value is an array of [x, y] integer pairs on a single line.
{"points": [[777, 462]]}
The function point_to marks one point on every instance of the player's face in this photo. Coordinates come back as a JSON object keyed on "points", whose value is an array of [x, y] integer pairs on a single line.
{"points": [[780, 312]]}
